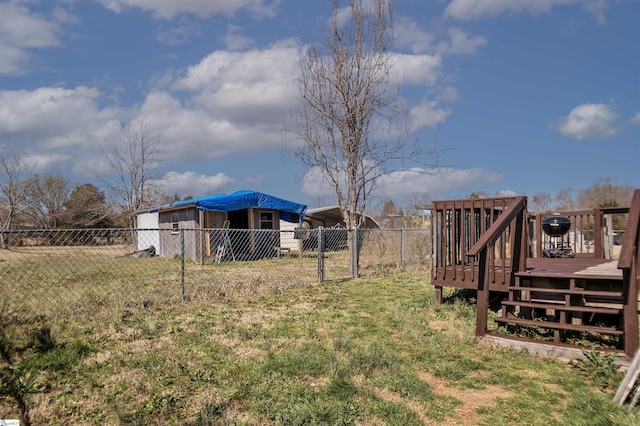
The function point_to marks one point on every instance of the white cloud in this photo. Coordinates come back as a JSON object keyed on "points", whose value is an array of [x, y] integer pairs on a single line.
{"points": [[235, 39], [590, 121], [314, 183], [427, 114], [252, 88], [449, 94], [186, 183], [466, 10], [636, 118], [59, 124], [51, 113], [255, 179], [437, 183], [597, 8], [409, 34], [21, 31], [222, 68], [458, 42], [194, 134], [168, 9], [68, 127], [461, 43], [180, 33], [229, 103], [64, 17], [233, 102], [507, 193], [416, 69]]}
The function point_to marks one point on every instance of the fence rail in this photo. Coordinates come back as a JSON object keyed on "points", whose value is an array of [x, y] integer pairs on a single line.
{"points": [[72, 271]]}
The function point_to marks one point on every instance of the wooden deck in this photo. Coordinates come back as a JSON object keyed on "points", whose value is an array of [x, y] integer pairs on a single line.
{"points": [[494, 246], [573, 268]]}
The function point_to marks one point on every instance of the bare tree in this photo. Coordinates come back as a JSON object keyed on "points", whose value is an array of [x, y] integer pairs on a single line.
{"points": [[132, 157], [16, 174], [540, 203], [47, 197], [351, 118], [545, 203], [605, 193]]}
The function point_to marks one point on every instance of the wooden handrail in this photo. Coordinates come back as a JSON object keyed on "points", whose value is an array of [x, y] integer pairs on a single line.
{"points": [[630, 240], [497, 228]]}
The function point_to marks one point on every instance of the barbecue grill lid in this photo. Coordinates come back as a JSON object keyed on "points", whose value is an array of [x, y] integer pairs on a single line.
{"points": [[556, 225]]}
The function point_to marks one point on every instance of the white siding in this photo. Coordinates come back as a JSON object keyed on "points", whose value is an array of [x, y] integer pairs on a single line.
{"points": [[151, 235], [286, 236]]}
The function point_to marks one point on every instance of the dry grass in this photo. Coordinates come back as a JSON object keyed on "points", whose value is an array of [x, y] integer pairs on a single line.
{"points": [[263, 343]]}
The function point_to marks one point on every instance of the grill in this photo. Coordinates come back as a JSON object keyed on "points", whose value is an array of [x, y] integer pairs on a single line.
{"points": [[556, 227]]}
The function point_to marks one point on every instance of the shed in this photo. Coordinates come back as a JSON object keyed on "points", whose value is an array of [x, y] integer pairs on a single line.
{"points": [[246, 219]]}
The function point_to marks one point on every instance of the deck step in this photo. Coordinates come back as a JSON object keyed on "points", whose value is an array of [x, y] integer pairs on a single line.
{"points": [[559, 326], [578, 275], [562, 307], [578, 291]]}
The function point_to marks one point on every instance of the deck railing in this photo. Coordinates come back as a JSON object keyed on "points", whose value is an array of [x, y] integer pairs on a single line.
{"points": [[512, 217], [456, 228], [631, 240], [458, 224], [591, 233], [629, 263]]}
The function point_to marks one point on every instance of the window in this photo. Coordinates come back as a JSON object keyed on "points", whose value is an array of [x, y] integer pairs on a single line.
{"points": [[266, 220], [175, 223]]}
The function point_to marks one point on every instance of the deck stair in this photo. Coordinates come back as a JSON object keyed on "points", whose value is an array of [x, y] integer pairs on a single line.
{"points": [[565, 304], [494, 246]]}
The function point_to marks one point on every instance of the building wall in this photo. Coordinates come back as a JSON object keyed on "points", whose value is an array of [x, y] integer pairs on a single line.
{"points": [[204, 244], [287, 236], [150, 236], [173, 222], [262, 239]]}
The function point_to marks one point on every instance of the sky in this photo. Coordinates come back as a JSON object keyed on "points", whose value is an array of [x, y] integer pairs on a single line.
{"points": [[518, 97]]}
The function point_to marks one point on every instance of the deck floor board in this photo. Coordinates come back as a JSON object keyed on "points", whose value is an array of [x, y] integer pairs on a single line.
{"points": [[573, 268]]}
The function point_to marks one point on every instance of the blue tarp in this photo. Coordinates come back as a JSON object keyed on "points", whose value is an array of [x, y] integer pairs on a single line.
{"points": [[289, 211]]}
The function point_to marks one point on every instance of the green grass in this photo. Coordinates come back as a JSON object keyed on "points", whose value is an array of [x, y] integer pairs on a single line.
{"points": [[368, 351]]}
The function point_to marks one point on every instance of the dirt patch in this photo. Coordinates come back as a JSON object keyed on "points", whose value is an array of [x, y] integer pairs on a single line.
{"points": [[470, 399], [416, 407], [248, 352], [445, 326]]}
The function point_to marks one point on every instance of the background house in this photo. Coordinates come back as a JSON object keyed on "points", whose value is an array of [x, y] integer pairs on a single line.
{"points": [[242, 222], [326, 217]]}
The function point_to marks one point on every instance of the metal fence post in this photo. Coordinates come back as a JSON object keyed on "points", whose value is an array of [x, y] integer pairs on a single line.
{"points": [[402, 246], [182, 265], [321, 238], [354, 252]]}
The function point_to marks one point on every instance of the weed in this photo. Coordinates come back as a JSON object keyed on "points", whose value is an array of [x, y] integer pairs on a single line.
{"points": [[17, 384], [211, 414], [599, 367]]}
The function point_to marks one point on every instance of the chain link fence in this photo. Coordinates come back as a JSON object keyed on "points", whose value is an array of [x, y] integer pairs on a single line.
{"points": [[56, 273]]}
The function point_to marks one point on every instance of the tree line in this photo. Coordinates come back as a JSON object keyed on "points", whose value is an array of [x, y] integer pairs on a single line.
{"points": [[29, 200], [46, 201]]}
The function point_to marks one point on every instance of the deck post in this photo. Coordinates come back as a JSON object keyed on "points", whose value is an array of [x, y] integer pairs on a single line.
{"points": [[630, 281], [518, 251], [482, 295], [598, 246], [438, 294]]}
